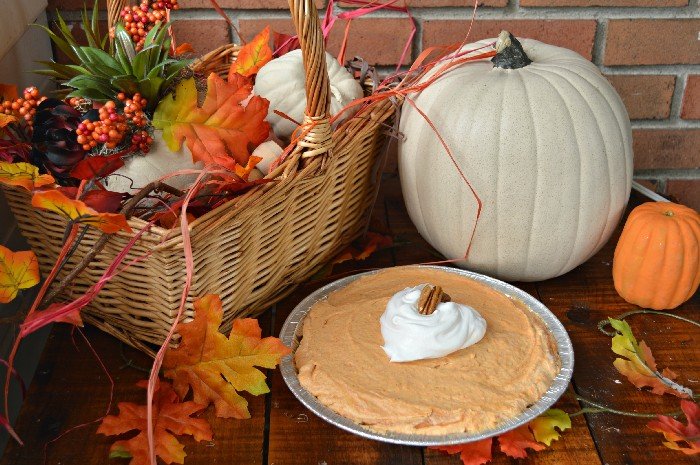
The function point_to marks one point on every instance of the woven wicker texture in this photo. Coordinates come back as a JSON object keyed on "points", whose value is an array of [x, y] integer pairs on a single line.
{"points": [[253, 250]]}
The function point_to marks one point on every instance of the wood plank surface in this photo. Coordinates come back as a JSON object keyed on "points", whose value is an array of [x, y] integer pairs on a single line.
{"points": [[70, 387]]}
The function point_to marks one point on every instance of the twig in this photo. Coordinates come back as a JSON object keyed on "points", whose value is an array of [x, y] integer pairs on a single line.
{"points": [[603, 323], [599, 408], [102, 241]]}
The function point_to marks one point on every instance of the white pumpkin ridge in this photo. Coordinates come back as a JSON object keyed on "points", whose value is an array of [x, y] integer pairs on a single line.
{"points": [[547, 148]]}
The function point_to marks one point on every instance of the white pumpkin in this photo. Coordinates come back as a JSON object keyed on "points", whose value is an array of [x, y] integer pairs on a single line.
{"points": [[140, 169], [282, 82], [547, 148], [269, 151]]}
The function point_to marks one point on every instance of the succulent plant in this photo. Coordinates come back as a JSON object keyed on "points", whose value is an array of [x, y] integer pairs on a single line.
{"points": [[99, 75], [55, 148]]}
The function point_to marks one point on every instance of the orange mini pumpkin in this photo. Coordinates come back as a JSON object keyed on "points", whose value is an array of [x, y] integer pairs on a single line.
{"points": [[657, 259]]}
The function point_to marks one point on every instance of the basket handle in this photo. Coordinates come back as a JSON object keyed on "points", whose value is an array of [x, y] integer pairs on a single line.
{"points": [[317, 139]]}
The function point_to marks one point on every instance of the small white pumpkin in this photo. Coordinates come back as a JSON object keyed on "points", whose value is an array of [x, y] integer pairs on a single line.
{"points": [[140, 169], [547, 147], [269, 151], [281, 81]]}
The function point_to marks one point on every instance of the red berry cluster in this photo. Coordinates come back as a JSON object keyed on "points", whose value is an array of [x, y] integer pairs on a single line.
{"points": [[141, 141], [139, 19], [109, 129], [133, 108], [23, 107]]}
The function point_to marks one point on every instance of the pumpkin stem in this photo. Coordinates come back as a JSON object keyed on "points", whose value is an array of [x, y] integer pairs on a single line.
{"points": [[509, 52], [668, 213]]}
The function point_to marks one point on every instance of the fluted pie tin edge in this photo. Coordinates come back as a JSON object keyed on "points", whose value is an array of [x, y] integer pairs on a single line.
{"points": [[291, 335]]}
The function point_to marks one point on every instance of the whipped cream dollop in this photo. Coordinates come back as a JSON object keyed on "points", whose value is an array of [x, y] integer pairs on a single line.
{"points": [[409, 336]]}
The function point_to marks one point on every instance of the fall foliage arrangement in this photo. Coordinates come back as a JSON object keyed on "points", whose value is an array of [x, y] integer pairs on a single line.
{"points": [[141, 130]]}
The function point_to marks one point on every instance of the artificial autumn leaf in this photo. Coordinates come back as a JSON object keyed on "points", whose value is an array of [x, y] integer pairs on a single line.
{"points": [[472, 453], [364, 247], [639, 365], [8, 92], [97, 166], [284, 43], [515, 442], [76, 210], [24, 175], [6, 119], [222, 130], [183, 48], [684, 438], [170, 418], [18, 270], [544, 427], [216, 367], [252, 56], [72, 318], [102, 201]]}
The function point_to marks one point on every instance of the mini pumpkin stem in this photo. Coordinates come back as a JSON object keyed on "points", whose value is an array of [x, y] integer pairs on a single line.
{"points": [[509, 52]]}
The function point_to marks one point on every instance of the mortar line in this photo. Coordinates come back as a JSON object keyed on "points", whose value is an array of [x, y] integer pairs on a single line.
{"points": [[677, 98]]}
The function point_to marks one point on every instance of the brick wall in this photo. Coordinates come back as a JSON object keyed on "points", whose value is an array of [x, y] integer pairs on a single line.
{"points": [[648, 49]]}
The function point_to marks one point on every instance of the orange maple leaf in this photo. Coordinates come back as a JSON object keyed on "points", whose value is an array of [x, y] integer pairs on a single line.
{"points": [[472, 453], [76, 210], [6, 119], [170, 418], [684, 438], [24, 175], [18, 270], [223, 130], [515, 442], [252, 56], [183, 48], [216, 367], [639, 365]]}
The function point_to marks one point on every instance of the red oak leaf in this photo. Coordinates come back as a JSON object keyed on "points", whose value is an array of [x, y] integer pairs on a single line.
{"points": [[684, 438], [170, 417]]}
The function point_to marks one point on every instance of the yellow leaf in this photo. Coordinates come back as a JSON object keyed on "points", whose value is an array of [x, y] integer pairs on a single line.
{"points": [[253, 56], [76, 210], [18, 270], [23, 174], [6, 119], [545, 426], [638, 364]]}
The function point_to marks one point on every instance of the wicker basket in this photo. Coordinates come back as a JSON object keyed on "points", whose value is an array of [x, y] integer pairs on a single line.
{"points": [[251, 251]]}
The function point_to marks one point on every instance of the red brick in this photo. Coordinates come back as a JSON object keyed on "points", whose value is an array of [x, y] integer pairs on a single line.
{"points": [[439, 3], [244, 4], [666, 148], [203, 34], [186, 4], [645, 96], [576, 35], [652, 42], [65, 5], [377, 40], [638, 3], [686, 191], [691, 98]]}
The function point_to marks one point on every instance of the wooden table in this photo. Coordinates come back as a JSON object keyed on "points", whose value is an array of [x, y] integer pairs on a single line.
{"points": [[70, 388]]}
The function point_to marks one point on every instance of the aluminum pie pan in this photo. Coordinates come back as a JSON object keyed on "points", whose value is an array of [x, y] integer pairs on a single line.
{"points": [[291, 332]]}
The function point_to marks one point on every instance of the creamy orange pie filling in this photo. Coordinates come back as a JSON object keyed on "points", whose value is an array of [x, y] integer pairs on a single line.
{"points": [[340, 360]]}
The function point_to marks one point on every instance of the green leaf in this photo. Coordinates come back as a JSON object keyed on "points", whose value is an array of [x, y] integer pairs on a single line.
{"points": [[83, 83], [102, 61], [60, 43], [150, 88], [125, 83], [92, 94], [123, 42]]}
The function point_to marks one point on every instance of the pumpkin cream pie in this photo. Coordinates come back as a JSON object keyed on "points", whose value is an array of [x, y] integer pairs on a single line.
{"points": [[343, 358]]}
